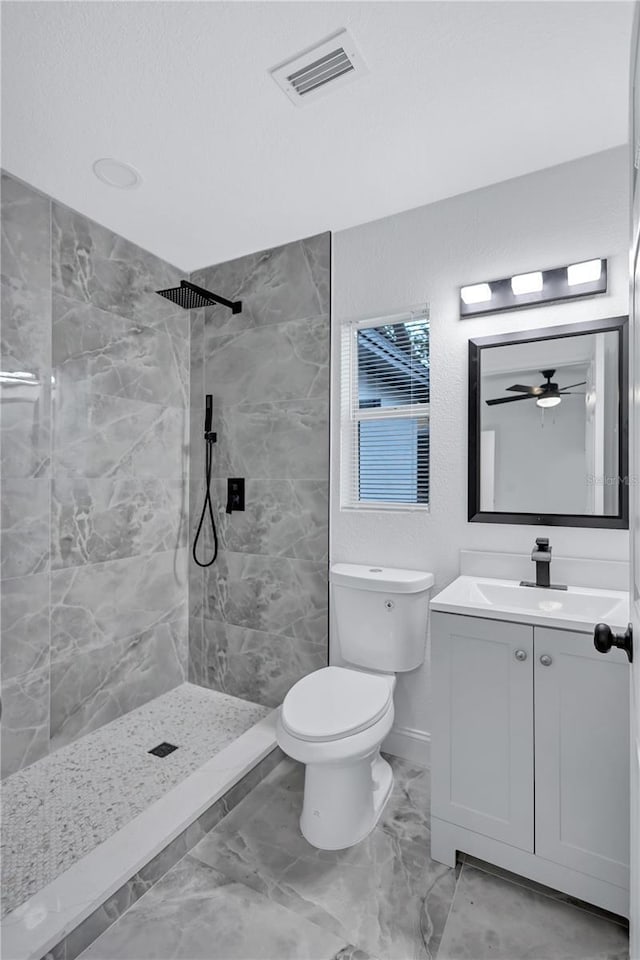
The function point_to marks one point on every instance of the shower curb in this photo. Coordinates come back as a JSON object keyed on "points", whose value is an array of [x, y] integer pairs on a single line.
{"points": [[57, 924]]}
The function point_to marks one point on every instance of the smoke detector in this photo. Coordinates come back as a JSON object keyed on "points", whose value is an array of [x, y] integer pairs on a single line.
{"points": [[320, 69]]}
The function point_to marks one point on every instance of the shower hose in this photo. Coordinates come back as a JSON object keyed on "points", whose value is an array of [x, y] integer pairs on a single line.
{"points": [[207, 509]]}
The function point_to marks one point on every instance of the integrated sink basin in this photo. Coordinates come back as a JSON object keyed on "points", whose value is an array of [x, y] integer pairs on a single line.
{"points": [[577, 608]]}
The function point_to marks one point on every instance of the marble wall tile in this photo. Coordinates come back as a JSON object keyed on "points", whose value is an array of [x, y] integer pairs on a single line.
{"points": [[25, 339], [98, 436], [282, 518], [93, 265], [317, 250], [273, 440], [25, 428], [272, 594], [24, 612], [25, 720], [274, 285], [255, 665], [101, 519], [96, 604], [118, 356], [91, 687], [24, 532], [284, 361]]}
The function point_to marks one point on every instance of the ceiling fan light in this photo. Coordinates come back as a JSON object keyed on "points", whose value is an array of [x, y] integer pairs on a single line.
{"points": [[549, 401]]}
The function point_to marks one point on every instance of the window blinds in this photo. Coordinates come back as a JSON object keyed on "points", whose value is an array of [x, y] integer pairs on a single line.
{"points": [[386, 392]]}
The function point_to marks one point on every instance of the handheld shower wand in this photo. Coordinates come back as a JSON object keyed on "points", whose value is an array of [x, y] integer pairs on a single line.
{"points": [[210, 438]]}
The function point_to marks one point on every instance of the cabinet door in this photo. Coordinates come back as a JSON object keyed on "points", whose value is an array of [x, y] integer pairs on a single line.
{"points": [[482, 740], [582, 755]]}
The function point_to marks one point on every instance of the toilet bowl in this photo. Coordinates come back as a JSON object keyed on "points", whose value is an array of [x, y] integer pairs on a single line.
{"points": [[334, 721]]}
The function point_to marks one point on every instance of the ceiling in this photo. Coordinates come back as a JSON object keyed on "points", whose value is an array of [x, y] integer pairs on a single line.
{"points": [[459, 95]]}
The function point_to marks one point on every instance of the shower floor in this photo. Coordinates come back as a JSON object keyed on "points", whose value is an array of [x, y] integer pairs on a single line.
{"points": [[59, 809]]}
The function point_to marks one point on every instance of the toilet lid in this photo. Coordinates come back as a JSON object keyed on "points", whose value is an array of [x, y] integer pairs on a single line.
{"points": [[335, 702]]}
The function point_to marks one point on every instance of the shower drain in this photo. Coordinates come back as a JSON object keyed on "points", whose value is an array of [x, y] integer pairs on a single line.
{"points": [[163, 749]]}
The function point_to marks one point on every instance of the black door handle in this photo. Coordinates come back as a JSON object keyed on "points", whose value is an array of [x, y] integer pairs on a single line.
{"points": [[604, 638]]}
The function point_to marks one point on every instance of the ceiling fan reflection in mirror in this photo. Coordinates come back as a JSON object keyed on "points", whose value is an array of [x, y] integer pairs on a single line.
{"points": [[547, 394]]}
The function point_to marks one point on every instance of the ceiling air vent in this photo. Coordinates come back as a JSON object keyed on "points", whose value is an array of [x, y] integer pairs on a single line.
{"points": [[320, 69]]}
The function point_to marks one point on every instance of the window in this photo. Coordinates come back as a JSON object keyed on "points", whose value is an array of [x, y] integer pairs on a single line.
{"points": [[385, 412]]}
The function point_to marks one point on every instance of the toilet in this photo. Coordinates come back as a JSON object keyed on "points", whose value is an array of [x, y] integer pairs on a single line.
{"points": [[335, 719]]}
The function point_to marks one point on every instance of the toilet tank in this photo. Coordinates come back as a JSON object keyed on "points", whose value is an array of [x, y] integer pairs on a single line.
{"points": [[380, 615]]}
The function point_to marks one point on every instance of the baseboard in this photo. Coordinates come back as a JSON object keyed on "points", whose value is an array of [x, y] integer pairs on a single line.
{"points": [[409, 744]]}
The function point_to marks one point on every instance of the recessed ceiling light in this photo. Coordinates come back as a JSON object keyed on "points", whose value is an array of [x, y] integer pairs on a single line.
{"points": [[117, 174]]}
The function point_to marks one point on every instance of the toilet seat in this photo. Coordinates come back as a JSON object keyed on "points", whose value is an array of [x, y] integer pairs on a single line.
{"points": [[334, 702]]}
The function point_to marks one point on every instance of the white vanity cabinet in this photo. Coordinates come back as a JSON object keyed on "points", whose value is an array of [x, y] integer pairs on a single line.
{"points": [[530, 754]]}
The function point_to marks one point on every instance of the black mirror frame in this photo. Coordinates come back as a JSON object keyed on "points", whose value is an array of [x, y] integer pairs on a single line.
{"points": [[620, 521]]}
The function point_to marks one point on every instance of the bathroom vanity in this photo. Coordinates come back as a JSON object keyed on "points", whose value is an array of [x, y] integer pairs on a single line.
{"points": [[530, 748]]}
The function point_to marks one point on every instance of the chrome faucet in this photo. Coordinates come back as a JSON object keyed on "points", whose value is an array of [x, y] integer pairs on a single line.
{"points": [[541, 556]]}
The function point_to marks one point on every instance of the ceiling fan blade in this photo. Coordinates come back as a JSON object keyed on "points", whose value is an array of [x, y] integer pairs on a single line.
{"points": [[521, 388], [525, 396], [572, 393], [570, 385]]}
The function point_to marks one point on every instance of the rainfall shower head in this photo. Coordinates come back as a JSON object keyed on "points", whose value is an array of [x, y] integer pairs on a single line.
{"points": [[191, 297]]}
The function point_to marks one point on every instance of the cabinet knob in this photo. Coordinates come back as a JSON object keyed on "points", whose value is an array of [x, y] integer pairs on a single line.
{"points": [[521, 654], [546, 660]]}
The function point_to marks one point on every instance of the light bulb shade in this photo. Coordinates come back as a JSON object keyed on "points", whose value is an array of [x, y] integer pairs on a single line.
{"points": [[527, 283], [587, 272], [476, 293], [549, 401]]}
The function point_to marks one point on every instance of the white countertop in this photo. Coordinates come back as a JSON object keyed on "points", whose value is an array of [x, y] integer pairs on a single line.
{"points": [[577, 608]]}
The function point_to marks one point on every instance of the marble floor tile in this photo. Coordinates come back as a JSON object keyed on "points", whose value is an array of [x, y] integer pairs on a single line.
{"points": [[385, 894], [494, 919], [197, 913]]}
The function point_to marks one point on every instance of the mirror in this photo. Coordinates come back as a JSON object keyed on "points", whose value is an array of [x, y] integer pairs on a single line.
{"points": [[548, 426]]}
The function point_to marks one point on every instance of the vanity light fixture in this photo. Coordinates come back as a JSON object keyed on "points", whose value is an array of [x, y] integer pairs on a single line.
{"points": [[536, 288]]}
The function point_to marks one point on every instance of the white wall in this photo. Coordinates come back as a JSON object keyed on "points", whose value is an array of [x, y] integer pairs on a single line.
{"points": [[564, 214]]}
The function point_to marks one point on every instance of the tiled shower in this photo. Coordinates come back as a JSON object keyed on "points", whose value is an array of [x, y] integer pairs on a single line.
{"points": [[103, 389]]}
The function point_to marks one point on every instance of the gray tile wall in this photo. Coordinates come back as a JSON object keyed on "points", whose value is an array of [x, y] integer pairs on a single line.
{"points": [[258, 617], [94, 467]]}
